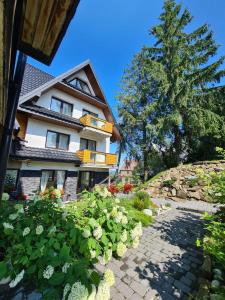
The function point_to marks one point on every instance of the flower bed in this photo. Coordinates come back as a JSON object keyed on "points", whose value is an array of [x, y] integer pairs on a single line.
{"points": [[55, 247]]}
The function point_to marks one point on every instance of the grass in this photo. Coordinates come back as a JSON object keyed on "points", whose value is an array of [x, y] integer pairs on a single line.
{"points": [[137, 215]]}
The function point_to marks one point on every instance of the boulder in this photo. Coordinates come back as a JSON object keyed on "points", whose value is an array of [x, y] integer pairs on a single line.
{"points": [[173, 192], [196, 195], [181, 194]]}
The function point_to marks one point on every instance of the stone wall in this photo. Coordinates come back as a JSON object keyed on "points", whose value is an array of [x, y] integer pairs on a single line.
{"points": [[71, 186], [183, 182], [29, 181]]}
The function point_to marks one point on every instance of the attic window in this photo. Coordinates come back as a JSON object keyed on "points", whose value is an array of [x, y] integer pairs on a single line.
{"points": [[81, 85]]}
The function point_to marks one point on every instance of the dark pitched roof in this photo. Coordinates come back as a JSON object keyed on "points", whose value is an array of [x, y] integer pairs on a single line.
{"points": [[49, 113], [33, 78], [43, 154]]}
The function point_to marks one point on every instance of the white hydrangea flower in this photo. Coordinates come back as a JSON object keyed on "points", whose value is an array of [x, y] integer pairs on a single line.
{"points": [[18, 278], [8, 226], [124, 220], [86, 233], [114, 212], [106, 257], [48, 272], [66, 290], [93, 293], [92, 203], [135, 242], [117, 200], [105, 211], [121, 249], [19, 208], [97, 233], [26, 231], [103, 291], [39, 229], [78, 292], [137, 231], [118, 217], [93, 253], [66, 267], [109, 277], [13, 217], [123, 236]]}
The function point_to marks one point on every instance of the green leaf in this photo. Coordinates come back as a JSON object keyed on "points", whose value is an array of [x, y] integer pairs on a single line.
{"points": [[51, 294], [31, 269], [64, 253], [57, 279], [3, 269], [104, 240], [95, 278]]}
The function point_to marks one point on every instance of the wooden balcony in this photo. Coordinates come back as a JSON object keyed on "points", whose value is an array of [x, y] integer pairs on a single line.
{"points": [[97, 158], [92, 121]]}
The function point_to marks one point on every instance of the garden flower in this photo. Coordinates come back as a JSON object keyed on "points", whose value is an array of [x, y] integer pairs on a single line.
{"points": [[57, 193], [97, 233], [86, 233], [26, 231], [66, 290], [19, 208], [48, 272], [93, 253], [78, 292], [109, 277], [8, 226], [93, 204], [13, 217], [16, 280], [119, 217], [103, 291], [65, 267], [114, 212], [39, 229], [93, 293], [135, 243], [106, 257], [117, 200], [123, 236], [124, 220], [121, 249]]}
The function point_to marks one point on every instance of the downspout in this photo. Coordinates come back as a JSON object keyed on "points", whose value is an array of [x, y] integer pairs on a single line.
{"points": [[13, 100]]}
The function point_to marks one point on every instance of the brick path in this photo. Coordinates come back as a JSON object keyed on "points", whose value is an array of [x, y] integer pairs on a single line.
{"points": [[166, 263]]}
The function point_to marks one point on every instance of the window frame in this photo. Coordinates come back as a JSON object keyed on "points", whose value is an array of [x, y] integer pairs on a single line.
{"points": [[87, 141], [88, 112], [61, 106], [81, 82], [54, 174], [57, 140]]}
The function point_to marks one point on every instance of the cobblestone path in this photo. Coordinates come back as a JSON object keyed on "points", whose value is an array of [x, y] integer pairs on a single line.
{"points": [[166, 263]]}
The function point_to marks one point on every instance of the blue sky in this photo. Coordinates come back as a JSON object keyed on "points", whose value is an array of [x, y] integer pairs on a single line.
{"points": [[109, 33]]}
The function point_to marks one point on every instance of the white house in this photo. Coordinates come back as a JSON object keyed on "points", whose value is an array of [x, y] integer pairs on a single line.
{"points": [[65, 127]]}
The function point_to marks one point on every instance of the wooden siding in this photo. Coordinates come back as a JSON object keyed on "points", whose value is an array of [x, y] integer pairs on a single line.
{"points": [[22, 120], [88, 156]]}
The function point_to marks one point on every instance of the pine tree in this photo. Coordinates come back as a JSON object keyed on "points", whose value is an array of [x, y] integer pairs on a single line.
{"points": [[189, 108]]}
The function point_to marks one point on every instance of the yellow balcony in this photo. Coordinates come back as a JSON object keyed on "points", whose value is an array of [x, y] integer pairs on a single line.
{"points": [[97, 158], [92, 121]]}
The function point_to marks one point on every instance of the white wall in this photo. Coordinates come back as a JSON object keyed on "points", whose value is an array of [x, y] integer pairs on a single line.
{"points": [[78, 105], [37, 131], [40, 165]]}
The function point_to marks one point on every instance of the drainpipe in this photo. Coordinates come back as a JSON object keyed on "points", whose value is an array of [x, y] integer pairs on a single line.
{"points": [[13, 100]]}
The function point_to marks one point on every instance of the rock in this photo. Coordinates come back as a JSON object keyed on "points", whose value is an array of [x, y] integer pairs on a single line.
{"points": [[206, 267], [195, 195], [181, 194], [173, 192], [148, 212], [204, 287]]}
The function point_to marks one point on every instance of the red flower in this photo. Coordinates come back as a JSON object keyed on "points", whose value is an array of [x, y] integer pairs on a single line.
{"points": [[127, 188], [113, 189]]}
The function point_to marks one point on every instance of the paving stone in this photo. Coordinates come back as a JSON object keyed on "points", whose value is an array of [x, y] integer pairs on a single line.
{"points": [[184, 288], [138, 288], [125, 290], [135, 296], [150, 294]]}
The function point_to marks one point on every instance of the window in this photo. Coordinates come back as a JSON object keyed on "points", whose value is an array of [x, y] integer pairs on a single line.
{"points": [[10, 180], [87, 144], [57, 140], [80, 84], [87, 112], [61, 107], [52, 178]]}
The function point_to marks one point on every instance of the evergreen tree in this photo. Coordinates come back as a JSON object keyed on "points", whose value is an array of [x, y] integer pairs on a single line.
{"points": [[190, 107], [169, 102]]}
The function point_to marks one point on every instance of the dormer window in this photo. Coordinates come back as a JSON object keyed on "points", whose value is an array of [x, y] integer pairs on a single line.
{"points": [[61, 107], [81, 85]]}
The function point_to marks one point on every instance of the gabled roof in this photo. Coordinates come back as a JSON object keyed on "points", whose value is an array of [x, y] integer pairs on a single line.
{"points": [[59, 82], [33, 78], [129, 165]]}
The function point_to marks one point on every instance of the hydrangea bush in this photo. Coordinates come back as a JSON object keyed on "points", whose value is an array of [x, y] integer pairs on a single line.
{"points": [[54, 247]]}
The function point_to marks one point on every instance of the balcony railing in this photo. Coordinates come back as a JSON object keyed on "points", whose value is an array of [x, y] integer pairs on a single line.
{"points": [[94, 122], [98, 158]]}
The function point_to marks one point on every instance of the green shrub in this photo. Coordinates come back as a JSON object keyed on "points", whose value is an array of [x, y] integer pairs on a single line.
{"points": [[191, 182], [139, 204], [53, 246], [169, 183], [142, 195]]}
